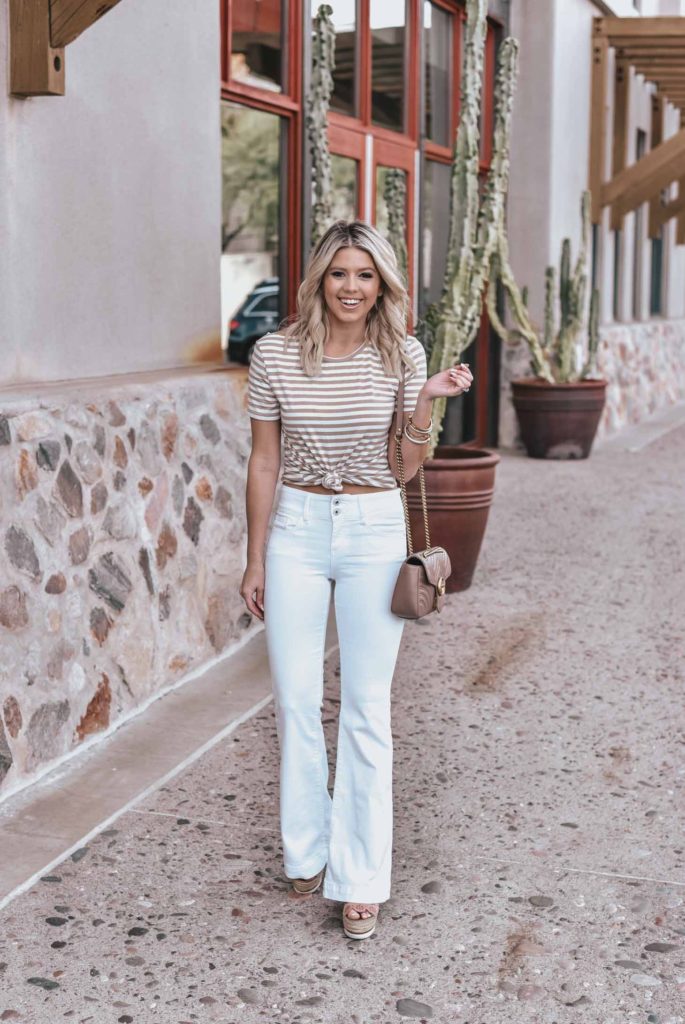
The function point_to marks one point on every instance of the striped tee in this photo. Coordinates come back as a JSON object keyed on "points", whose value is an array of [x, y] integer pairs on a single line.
{"points": [[335, 426]]}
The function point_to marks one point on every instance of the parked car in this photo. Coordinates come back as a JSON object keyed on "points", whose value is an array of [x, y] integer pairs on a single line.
{"points": [[258, 314]]}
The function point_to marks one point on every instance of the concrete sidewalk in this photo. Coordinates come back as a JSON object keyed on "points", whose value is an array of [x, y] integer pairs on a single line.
{"points": [[539, 830]]}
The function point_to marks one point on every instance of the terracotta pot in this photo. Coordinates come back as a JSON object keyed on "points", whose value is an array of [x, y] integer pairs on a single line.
{"points": [[459, 487], [558, 421]]}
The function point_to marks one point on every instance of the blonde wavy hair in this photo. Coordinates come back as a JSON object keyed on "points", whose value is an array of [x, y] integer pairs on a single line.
{"points": [[386, 323]]}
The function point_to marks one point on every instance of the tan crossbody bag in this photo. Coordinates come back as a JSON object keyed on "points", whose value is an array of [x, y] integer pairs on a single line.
{"points": [[420, 586]]}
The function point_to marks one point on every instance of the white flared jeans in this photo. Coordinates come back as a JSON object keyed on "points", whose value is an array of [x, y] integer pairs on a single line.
{"points": [[351, 546]]}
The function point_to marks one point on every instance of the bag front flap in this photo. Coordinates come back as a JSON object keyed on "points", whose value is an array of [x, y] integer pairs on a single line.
{"points": [[436, 564]]}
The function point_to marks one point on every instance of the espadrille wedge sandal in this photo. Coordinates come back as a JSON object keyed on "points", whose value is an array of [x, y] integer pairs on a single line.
{"points": [[307, 885], [360, 927]]}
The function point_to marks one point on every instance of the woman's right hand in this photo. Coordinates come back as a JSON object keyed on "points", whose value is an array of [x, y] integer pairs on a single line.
{"points": [[252, 589]]}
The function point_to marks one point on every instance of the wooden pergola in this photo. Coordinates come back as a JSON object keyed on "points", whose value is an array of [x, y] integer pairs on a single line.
{"points": [[654, 48], [39, 31]]}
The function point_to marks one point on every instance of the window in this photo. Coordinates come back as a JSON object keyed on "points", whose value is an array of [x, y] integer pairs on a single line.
{"points": [[256, 44], [251, 191], [656, 275], [344, 195], [344, 96], [345, 186], [617, 275], [437, 29], [265, 304], [640, 148], [435, 231], [260, 122], [486, 118], [382, 222], [388, 33]]}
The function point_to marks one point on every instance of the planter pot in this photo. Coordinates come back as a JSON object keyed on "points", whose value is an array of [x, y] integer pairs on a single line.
{"points": [[558, 421], [459, 485]]}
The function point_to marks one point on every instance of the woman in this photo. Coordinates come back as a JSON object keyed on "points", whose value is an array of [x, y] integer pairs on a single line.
{"points": [[326, 388]]}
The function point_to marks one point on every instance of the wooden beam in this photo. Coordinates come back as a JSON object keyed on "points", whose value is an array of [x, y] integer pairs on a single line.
{"points": [[69, 18], [620, 140], [642, 28], [668, 50], [676, 76], [647, 176], [656, 138], [639, 47], [598, 106], [36, 67], [656, 65]]}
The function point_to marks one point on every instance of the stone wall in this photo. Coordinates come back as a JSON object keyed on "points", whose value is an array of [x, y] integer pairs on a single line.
{"points": [[643, 362], [122, 527]]}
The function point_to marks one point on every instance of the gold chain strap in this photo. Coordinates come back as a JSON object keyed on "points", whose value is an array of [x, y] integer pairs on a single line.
{"points": [[403, 487]]}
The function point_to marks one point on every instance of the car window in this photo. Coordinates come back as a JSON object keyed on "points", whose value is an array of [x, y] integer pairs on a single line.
{"points": [[265, 304]]}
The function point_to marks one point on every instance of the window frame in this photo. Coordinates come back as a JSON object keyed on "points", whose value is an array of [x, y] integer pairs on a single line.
{"points": [[288, 106]]}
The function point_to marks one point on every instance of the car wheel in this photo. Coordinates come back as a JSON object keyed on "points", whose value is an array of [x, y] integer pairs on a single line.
{"points": [[248, 354]]}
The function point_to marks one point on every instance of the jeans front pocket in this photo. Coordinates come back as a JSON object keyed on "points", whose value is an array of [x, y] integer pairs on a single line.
{"points": [[287, 520], [387, 522]]}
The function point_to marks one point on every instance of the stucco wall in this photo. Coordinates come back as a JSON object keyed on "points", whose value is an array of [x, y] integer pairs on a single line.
{"points": [[110, 198]]}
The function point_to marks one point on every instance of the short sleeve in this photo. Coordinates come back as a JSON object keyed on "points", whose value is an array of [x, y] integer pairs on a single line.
{"points": [[262, 403], [417, 379]]}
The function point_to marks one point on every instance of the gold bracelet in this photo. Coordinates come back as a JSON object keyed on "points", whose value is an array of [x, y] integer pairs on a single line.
{"points": [[420, 434], [412, 437], [421, 430], [413, 440]]}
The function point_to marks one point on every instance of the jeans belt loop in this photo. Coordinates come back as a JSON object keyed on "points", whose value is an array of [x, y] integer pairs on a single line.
{"points": [[306, 506], [361, 509]]}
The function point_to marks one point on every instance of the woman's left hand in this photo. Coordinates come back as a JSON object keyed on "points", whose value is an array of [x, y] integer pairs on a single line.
{"points": [[455, 380]]}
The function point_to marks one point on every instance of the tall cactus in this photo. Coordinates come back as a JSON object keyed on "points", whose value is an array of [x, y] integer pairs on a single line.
{"points": [[395, 196], [590, 368], [316, 119], [553, 356], [451, 325]]}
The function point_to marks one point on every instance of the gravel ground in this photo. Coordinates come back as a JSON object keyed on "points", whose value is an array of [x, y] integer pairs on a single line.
{"points": [[539, 847]]}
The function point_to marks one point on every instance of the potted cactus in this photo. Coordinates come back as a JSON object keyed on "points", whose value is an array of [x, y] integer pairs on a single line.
{"points": [[460, 478], [559, 407]]}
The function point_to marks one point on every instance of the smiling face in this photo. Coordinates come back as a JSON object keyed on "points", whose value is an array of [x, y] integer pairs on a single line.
{"points": [[351, 286]]}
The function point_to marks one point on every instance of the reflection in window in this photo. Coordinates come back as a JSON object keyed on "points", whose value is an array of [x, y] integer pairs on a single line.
{"points": [[344, 174], [344, 202], [382, 220], [256, 43], [387, 20], [435, 231], [267, 303], [437, 25], [250, 142], [344, 18]]}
